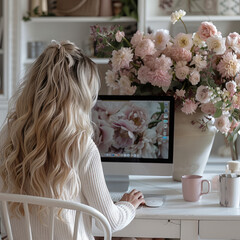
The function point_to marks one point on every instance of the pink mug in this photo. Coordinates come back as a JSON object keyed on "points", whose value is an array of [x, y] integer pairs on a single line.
{"points": [[192, 187]]}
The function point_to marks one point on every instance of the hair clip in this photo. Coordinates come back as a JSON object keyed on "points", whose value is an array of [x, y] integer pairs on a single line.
{"points": [[56, 43]]}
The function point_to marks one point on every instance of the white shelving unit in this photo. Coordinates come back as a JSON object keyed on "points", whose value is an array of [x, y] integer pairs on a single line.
{"points": [[75, 29], [5, 59], [156, 18]]}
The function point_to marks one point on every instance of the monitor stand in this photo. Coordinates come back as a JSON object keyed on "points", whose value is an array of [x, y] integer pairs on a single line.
{"points": [[117, 183]]}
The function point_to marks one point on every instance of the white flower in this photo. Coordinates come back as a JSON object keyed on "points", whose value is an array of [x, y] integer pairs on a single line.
{"points": [[199, 62], [194, 77], [182, 72], [175, 16], [223, 124], [183, 40], [203, 95], [231, 87], [110, 79], [198, 41], [125, 86], [119, 36], [161, 38], [216, 43]]}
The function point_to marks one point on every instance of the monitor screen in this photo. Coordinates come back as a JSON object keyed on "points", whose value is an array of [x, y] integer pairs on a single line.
{"points": [[136, 129]]}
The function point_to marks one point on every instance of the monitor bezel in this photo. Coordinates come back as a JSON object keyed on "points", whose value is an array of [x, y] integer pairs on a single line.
{"points": [[170, 99]]}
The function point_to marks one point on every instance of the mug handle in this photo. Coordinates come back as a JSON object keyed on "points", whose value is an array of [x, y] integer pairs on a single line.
{"points": [[209, 186]]}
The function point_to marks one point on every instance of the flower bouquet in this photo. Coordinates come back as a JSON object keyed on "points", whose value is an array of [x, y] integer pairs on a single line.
{"points": [[200, 70]]}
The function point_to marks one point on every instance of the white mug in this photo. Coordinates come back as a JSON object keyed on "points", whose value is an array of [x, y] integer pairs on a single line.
{"points": [[229, 190]]}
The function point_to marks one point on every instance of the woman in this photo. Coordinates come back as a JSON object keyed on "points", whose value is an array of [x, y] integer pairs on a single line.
{"points": [[46, 147]]}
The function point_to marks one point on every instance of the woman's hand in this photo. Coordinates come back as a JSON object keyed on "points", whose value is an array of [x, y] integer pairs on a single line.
{"points": [[134, 197]]}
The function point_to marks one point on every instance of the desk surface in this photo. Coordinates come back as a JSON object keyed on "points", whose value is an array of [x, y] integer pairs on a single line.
{"points": [[175, 207], [179, 219]]}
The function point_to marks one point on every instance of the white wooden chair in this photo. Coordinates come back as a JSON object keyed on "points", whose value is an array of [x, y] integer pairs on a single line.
{"points": [[51, 204]]}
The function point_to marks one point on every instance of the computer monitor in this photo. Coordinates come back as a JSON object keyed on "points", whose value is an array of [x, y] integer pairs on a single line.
{"points": [[134, 135]]}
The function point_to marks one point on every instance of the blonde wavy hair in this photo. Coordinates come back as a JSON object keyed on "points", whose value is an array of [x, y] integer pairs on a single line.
{"points": [[50, 124]]}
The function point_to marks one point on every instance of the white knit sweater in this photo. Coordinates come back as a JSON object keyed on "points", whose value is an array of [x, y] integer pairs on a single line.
{"points": [[94, 192]]}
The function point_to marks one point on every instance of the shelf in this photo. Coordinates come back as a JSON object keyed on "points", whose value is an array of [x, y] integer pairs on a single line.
{"points": [[80, 19], [195, 18], [100, 60], [96, 60]]}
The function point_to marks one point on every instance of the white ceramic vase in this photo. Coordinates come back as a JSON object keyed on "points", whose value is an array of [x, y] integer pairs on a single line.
{"points": [[192, 146]]}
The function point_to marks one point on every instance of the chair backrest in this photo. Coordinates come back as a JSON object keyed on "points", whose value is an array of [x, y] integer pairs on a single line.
{"points": [[51, 204]]}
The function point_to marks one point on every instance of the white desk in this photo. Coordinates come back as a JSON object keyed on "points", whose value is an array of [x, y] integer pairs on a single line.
{"points": [[180, 219]]}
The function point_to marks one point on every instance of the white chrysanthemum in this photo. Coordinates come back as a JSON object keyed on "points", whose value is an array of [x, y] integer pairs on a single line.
{"points": [[175, 16], [161, 38], [183, 40], [111, 80], [216, 43], [229, 66]]}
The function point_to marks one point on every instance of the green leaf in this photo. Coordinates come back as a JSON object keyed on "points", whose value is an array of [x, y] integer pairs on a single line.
{"points": [[218, 104], [218, 113]]}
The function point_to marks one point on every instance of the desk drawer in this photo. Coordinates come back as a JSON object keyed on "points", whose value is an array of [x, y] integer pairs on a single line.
{"points": [[219, 229], [149, 228]]}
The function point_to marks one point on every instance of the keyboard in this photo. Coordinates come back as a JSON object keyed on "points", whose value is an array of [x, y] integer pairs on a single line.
{"points": [[116, 196]]}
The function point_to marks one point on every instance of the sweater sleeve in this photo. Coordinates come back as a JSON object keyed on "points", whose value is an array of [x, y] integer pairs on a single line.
{"points": [[96, 192]]}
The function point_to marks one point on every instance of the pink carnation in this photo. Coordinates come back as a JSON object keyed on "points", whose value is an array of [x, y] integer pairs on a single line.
{"points": [[144, 48], [160, 78], [137, 38], [189, 107], [180, 54], [121, 58], [143, 74], [206, 30]]}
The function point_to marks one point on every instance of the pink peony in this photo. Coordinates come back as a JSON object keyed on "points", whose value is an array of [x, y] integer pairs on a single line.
{"points": [[203, 94], [110, 79], [137, 38], [137, 115], [121, 58], [229, 66], [160, 78], [163, 62], [233, 41], [119, 36], [144, 48], [208, 108], [223, 124], [189, 106], [123, 134], [180, 54], [206, 30], [143, 74]]}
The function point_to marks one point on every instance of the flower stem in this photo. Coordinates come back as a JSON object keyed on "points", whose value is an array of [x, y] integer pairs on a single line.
{"points": [[128, 43], [184, 25]]}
